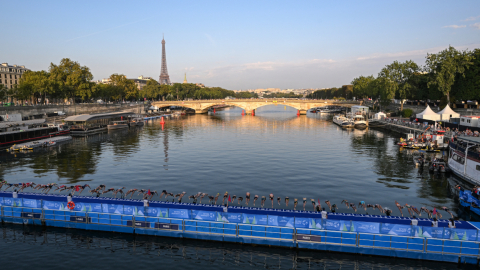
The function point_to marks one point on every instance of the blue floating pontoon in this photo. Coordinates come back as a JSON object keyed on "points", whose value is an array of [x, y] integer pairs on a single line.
{"points": [[351, 233]]}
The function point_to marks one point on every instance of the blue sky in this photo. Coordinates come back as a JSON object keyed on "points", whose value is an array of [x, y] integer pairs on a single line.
{"points": [[236, 44]]}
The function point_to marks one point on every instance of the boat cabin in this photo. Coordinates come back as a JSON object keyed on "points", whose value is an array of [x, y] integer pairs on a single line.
{"points": [[469, 120]]}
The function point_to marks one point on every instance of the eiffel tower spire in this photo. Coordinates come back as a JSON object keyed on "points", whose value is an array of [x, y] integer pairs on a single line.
{"points": [[164, 78]]}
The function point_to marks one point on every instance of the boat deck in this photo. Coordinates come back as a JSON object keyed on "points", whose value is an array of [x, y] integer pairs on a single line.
{"points": [[39, 143]]}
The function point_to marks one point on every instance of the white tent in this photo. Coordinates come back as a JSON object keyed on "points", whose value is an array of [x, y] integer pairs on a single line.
{"points": [[380, 115], [448, 113], [428, 114]]}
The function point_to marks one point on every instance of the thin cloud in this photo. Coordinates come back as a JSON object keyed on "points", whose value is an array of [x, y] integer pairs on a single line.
{"points": [[212, 41], [471, 19], [95, 33], [454, 26], [475, 25]]}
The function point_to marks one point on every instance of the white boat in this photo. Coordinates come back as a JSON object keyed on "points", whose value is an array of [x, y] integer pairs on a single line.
{"points": [[466, 168], [117, 125], [359, 121], [343, 121]]}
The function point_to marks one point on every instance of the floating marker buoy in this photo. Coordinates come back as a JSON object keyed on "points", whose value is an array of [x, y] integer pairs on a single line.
{"points": [[298, 112], [253, 112], [243, 112], [162, 121], [214, 110]]}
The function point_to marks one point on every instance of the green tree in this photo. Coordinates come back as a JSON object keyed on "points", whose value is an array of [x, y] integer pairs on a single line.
{"points": [[123, 87], [467, 85], [399, 73], [444, 66], [71, 79]]}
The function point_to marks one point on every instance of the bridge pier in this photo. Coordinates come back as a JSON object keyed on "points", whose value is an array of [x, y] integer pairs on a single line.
{"points": [[200, 111], [303, 112]]}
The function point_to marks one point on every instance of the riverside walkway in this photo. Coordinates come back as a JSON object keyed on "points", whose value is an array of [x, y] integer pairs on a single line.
{"points": [[349, 233]]}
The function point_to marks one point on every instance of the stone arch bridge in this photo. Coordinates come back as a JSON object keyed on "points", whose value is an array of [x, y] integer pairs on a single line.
{"points": [[249, 105]]}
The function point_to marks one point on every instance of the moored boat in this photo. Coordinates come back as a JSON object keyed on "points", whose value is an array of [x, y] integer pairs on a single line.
{"points": [[117, 125], [464, 158]]}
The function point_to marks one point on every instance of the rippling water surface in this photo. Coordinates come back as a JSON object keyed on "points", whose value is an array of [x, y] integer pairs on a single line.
{"points": [[272, 152]]}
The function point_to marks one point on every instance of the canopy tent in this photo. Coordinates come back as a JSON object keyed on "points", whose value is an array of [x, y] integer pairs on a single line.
{"points": [[448, 113], [380, 115], [428, 114]]}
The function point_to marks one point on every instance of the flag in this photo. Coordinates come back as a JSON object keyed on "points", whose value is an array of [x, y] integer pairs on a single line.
{"points": [[77, 188], [434, 211], [149, 193], [229, 199], [318, 201]]}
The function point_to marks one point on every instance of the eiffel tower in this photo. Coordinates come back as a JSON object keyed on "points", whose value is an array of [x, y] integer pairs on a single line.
{"points": [[164, 78]]}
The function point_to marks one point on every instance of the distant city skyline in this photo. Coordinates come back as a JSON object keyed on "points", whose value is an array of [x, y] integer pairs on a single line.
{"points": [[237, 45]]}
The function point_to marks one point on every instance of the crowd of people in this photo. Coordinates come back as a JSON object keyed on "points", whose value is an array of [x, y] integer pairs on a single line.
{"points": [[226, 199]]}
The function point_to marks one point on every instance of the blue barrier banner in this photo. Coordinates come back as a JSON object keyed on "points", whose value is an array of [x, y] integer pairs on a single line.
{"points": [[395, 229], [316, 223], [204, 215], [53, 205], [428, 232], [255, 219], [134, 210], [365, 227], [230, 217], [112, 208], [156, 212], [1, 201], [32, 203], [179, 213], [82, 207], [281, 221], [337, 225], [460, 234], [302, 223]]}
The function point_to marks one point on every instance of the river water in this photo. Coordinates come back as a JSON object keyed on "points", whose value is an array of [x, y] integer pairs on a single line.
{"points": [[272, 152]]}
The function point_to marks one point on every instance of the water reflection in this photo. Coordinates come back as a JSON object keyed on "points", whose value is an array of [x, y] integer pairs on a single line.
{"points": [[55, 248]]}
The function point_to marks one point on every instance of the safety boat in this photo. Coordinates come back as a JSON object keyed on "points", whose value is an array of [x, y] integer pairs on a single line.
{"points": [[359, 121], [438, 165]]}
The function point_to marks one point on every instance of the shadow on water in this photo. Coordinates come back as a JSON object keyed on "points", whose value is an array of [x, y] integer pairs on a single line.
{"points": [[81, 249]]}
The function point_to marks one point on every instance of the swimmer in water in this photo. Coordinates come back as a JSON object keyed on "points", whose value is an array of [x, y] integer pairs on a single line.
{"points": [[353, 206], [379, 207], [255, 198], [278, 200], [164, 192], [446, 210], [286, 201], [216, 198], [399, 207], [295, 202], [240, 199], [263, 201], [82, 188], [362, 204], [169, 194], [329, 204], [101, 187], [304, 203], [346, 203], [247, 198], [271, 198]]}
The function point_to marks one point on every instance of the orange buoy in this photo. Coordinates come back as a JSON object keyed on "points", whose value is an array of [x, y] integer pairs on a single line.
{"points": [[298, 112], [71, 205], [243, 112], [162, 121], [253, 112], [214, 110]]}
